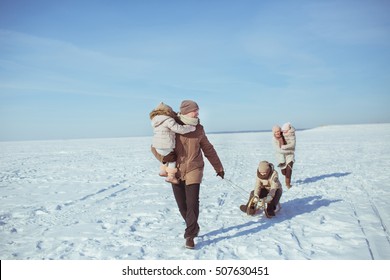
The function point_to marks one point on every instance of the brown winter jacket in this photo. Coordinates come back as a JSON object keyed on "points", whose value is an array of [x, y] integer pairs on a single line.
{"points": [[189, 150]]}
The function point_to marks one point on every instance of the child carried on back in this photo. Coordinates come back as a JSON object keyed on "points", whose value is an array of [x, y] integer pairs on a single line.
{"points": [[164, 139]]}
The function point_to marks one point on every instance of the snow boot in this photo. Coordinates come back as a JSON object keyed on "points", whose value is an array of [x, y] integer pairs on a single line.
{"points": [[288, 183], [269, 213], [163, 170], [171, 178], [190, 244]]}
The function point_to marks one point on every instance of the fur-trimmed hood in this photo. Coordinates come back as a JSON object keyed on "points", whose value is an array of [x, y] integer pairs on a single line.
{"points": [[290, 132], [162, 109]]}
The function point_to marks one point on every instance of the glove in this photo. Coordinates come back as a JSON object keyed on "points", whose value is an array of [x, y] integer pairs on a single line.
{"points": [[171, 157], [221, 174], [268, 199], [255, 199], [283, 147]]}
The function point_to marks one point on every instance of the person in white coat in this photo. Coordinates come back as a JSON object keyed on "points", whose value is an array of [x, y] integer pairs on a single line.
{"points": [[165, 128], [284, 141]]}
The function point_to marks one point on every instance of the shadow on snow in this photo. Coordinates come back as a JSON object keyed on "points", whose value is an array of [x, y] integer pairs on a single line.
{"points": [[322, 177], [295, 208]]}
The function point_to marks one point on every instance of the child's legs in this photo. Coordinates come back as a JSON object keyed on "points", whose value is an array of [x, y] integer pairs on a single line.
{"points": [[272, 205], [289, 169], [165, 152]]}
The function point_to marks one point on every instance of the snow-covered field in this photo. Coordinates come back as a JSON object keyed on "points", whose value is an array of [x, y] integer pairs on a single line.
{"points": [[102, 199]]}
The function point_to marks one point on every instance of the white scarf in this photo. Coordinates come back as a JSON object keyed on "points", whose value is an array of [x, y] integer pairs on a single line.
{"points": [[188, 120]]}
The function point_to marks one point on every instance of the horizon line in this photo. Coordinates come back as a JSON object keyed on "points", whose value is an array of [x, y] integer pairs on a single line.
{"points": [[211, 132]]}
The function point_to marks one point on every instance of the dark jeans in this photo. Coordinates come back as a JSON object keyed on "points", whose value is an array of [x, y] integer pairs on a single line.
{"points": [[272, 205], [187, 199]]}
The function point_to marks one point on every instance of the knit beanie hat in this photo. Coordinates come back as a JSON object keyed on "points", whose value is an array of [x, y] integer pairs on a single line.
{"points": [[188, 106], [264, 167], [264, 170], [286, 126]]}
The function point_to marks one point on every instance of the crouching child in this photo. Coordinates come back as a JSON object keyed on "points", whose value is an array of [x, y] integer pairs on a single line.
{"points": [[268, 190]]}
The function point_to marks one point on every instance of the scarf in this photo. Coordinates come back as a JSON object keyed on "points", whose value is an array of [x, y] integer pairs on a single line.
{"points": [[188, 120]]}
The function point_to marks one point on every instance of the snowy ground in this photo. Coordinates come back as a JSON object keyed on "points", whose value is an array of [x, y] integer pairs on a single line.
{"points": [[102, 199]]}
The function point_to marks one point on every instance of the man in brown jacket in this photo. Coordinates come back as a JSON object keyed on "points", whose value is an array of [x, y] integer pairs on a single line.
{"points": [[189, 151]]}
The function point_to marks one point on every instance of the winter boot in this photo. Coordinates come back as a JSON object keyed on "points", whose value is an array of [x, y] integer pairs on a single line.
{"points": [[171, 178], [163, 170], [190, 244], [269, 211], [288, 182]]}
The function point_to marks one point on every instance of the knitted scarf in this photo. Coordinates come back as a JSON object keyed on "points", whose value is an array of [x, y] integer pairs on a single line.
{"points": [[188, 120]]}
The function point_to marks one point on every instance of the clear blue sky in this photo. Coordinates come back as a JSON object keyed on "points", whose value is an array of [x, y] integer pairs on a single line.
{"points": [[77, 69]]}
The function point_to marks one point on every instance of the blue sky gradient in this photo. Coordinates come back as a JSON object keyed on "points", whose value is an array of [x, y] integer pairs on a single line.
{"points": [[86, 69]]}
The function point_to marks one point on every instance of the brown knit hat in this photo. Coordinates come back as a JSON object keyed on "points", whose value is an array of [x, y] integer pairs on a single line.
{"points": [[188, 106], [264, 170], [264, 167]]}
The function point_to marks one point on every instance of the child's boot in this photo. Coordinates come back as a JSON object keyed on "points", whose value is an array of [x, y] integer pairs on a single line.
{"points": [[288, 182], [163, 170], [172, 175]]}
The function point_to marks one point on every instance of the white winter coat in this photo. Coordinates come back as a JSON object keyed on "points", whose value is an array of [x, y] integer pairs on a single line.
{"points": [[165, 129], [286, 153]]}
